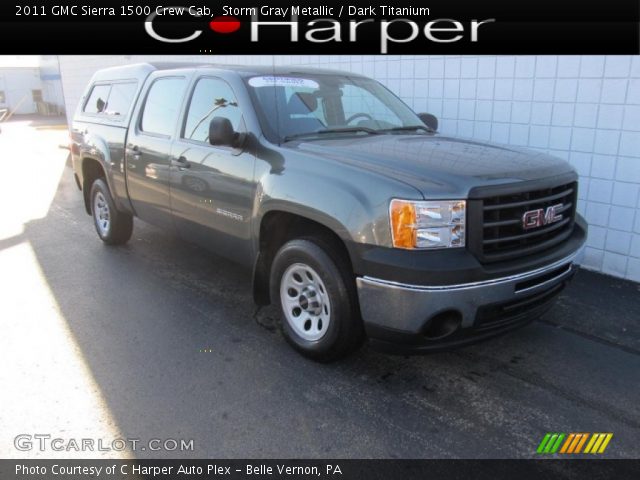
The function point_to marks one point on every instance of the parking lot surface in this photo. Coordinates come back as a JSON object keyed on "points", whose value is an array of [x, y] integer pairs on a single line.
{"points": [[160, 339]]}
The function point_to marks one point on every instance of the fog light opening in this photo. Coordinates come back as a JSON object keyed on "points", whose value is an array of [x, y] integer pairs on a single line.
{"points": [[443, 324]]}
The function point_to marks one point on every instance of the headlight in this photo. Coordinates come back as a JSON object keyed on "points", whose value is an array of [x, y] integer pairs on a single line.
{"points": [[427, 224]]}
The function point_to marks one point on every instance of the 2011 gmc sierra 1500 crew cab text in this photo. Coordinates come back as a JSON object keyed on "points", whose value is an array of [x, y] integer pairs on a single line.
{"points": [[358, 219]]}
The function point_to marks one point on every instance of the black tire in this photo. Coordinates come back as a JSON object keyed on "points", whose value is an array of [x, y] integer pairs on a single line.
{"points": [[344, 332], [117, 230]]}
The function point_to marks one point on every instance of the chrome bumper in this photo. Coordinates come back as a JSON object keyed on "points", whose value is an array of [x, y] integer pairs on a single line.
{"points": [[408, 309]]}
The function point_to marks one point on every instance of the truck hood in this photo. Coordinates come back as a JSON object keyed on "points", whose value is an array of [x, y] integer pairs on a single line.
{"points": [[437, 165]]}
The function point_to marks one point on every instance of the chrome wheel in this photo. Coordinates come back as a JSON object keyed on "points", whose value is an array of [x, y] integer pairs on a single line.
{"points": [[101, 214], [305, 301]]}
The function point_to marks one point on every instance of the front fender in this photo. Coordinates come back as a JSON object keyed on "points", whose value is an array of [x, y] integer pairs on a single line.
{"points": [[353, 203], [350, 202]]}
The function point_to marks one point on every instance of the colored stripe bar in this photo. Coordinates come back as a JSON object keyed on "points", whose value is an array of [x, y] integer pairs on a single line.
{"points": [[573, 443], [555, 448], [576, 439], [551, 443], [565, 447], [605, 443], [596, 446], [543, 443], [594, 437]]}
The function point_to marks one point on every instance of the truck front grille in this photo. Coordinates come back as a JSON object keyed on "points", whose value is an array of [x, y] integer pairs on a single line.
{"points": [[502, 235]]}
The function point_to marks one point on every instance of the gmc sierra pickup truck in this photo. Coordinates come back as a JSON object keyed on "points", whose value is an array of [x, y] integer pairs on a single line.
{"points": [[356, 217]]}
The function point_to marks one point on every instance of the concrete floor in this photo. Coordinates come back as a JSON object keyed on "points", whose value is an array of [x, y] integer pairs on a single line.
{"points": [[101, 342]]}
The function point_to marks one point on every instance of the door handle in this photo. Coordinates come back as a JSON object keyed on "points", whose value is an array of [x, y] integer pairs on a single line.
{"points": [[181, 162], [134, 151]]}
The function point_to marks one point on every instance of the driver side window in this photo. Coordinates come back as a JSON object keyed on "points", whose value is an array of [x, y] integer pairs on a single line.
{"points": [[211, 98]]}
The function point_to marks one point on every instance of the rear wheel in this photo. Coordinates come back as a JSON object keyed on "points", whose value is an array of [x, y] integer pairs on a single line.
{"points": [[113, 226], [316, 294]]}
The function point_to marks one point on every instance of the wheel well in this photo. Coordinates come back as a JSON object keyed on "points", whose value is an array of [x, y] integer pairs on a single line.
{"points": [[277, 228], [91, 171]]}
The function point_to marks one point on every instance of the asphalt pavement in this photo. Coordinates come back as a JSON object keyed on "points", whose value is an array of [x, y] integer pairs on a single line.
{"points": [[161, 339]]}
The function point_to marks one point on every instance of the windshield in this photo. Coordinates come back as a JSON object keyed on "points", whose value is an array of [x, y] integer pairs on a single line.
{"points": [[294, 106]]}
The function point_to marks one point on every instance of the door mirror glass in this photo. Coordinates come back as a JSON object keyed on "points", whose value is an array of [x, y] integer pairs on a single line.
{"points": [[221, 132], [429, 120]]}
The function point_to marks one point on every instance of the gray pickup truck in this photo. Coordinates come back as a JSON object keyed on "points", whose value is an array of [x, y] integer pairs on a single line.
{"points": [[356, 217]]}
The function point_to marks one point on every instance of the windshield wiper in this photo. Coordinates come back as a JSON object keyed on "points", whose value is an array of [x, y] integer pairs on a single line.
{"points": [[409, 128], [368, 130], [349, 130]]}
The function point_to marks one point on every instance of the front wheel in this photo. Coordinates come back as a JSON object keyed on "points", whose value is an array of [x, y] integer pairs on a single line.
{"points": [[113, 226], [317, 296]]}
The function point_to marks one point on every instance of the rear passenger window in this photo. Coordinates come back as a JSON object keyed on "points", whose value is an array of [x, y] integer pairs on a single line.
{"points": [[112, 99], [120, 98], [162, 106], [97, 101]]}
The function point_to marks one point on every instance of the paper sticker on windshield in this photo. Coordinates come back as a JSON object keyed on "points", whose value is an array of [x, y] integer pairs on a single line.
{"points": [[271, 81]]}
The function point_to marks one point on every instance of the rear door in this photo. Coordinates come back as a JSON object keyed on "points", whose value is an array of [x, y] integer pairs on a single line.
{"points": [[212, 186], [148, 149]]}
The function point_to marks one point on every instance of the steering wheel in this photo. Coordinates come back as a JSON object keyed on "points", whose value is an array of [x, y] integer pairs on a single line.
{"points": [[358, 115]]}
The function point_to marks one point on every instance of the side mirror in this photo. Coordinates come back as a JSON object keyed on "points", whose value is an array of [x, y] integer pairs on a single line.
{"points": [[221, 132], [429, 120]]}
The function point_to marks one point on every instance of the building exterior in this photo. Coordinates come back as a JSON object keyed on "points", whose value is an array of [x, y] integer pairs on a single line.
{"points": [[20, 89], [585, 109], [32, 89], [51, 84]]}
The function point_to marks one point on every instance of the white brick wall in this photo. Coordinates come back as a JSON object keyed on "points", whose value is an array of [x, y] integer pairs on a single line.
{"points": [[585, 109]]}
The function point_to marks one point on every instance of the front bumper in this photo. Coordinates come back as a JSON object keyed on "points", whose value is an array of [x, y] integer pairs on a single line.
{"points": [[406, 318]]}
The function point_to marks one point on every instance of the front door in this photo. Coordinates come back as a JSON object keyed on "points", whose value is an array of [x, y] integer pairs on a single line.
{"points": [[212, 186]]}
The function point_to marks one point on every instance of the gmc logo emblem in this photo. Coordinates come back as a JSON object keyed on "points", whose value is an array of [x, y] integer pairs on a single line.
{"points": [[541, 217]]}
